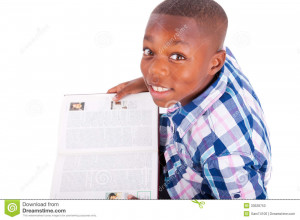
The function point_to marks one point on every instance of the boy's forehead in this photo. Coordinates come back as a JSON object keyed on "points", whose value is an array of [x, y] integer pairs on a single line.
{"points": [[170, 20], [179, 27], [185, 29]]}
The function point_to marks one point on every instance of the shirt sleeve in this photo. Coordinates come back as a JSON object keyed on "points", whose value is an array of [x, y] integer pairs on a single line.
{"points": [[229, 177]]}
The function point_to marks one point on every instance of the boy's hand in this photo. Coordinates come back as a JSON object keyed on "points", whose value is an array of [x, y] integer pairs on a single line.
{"points": [[131, 87]]}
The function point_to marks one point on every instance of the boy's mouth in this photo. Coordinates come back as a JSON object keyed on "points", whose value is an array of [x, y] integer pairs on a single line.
{"points": [[159, 88], [158, 91]]}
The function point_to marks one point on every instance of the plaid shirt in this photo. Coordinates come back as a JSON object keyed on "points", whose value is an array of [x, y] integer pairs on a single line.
{"points": [[217, 146]]}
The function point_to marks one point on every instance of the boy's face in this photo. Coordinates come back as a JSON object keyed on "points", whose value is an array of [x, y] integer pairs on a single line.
{"points": [[177, 57]]}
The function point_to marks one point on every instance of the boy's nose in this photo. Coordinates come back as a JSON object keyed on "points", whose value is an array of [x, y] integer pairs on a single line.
{"points": [[158, 69]]}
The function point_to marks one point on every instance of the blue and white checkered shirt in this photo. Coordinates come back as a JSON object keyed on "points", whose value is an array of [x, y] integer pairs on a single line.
{"points": [[217, 146]]}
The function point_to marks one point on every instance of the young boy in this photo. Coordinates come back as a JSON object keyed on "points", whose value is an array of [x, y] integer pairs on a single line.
{"points": [[214, 136]]}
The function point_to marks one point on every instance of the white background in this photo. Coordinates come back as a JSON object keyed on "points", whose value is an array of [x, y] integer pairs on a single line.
{"points": [[56, 47]]}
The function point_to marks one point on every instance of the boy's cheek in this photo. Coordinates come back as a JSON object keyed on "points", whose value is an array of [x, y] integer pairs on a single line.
{"points": [[142, 65], [183, 78], [143, 68]]}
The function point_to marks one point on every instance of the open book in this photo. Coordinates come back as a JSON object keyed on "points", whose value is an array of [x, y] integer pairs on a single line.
{"points": [[107, 149]]}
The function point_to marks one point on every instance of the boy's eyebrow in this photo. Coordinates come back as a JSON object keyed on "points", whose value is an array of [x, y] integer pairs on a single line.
{"points": [[171, 41], [148, 38], [179, 42]]}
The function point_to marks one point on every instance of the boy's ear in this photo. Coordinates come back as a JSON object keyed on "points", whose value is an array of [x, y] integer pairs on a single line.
{"points": [[217, 62]]}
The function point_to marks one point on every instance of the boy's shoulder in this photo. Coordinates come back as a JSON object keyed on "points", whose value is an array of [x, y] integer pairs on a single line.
{"points": [[238, 105], [236, 117], [231, 113]]}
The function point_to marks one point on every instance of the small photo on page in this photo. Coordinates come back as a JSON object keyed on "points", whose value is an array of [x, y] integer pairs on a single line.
{"points": [[113, 195], [118, 105], [77, 106]]}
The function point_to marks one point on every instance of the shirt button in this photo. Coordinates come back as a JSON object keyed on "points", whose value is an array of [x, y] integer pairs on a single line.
{"points": [[236, 196]]}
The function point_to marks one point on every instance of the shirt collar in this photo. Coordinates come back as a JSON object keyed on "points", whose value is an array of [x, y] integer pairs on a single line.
{"points": [[185, 116]]}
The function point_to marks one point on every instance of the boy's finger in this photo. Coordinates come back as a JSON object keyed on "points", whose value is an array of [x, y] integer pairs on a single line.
{"points": [[120, 94], [112, 90], [117, 88]]}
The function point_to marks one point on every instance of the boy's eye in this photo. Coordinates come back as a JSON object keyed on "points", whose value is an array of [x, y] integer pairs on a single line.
{"points": [[147, 52], [177, 56]]}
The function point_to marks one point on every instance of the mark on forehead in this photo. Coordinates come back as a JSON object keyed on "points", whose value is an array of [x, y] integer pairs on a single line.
{"points": [[148, 38]]}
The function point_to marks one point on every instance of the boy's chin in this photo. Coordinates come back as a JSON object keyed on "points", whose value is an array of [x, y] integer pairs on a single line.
{"points": [[164, 104]]}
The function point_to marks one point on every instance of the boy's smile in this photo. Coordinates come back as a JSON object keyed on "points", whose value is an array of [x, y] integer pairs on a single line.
{"points": [[179, 60]]}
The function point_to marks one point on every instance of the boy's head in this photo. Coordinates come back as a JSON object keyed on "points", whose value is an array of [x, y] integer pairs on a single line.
{"points": [[112, 196], [183, 49]]}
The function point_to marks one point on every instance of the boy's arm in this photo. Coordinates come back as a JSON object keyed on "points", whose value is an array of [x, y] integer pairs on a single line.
{"points": [[130, 87], [232, 177]]}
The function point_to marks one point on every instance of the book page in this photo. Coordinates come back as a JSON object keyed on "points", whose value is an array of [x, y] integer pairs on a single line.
{"points": [[96, 123], [95, 176], [107, 149]]}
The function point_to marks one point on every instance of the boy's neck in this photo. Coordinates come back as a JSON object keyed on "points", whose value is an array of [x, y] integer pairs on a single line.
{"points": [[216, 76]]}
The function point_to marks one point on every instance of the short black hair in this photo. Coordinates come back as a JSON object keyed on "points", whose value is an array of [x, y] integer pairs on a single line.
{"points": [[111, 194], [207, 13]]}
